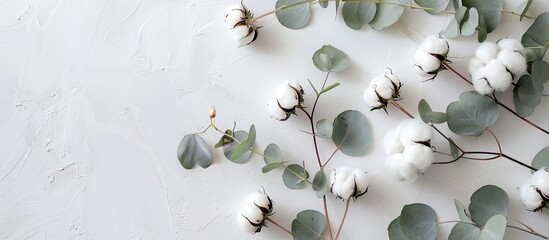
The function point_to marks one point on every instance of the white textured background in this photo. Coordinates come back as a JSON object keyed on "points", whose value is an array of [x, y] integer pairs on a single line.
{"points": [[96, 95]]}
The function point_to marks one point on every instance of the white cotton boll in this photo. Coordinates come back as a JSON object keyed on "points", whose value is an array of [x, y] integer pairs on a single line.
{"points": [[481, 83], [342, 182], [245, 225], [235, 14], [529, 197], [497, 75], [393, 78], [260, 200], [252, 213], [275, 111], [510, 44], [513, 61], [391, 143], [392, 163], [486, 51], [240, 32], [540, 179], [425, 63], [370, 97], [287, 96], [407, 171], [412, 131], [435, 45], [361, 181], [475, 64], [419, 155], [246, 40], [383, 86]]}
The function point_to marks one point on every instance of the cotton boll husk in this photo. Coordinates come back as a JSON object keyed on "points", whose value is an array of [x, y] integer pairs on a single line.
{"points": [[295, 84], [540, 179], [287, 96], [392, 163], [486, 52], [475, 64], [480, 83], [529, 197], [435, 45], [342, 182], [513, 61], [391, 143], [419, 155], [253, 213], [407, 171], [425, 62], [370, 97], [275, 111], [245, 225], [393, 78], [235, 14], [361, 180], [497, 75], [510, 44], [412, 131], [259, 199], [383, 86]]}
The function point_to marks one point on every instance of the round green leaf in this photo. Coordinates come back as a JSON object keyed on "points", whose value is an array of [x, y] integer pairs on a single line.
{"points": [[522, 109], [436, 4], [423, 109], [494, 228], [351, 133], [537, 35], [418, 221], [472, 114], [469, 26], [386, 15], [324, 128], [308, 225], [330, 59], [267, 168], [482, 29], [294, 176], [395, 231], [487, 202], [454, 28], [541, 159], [540, 73], [462, 212], [320, 183], [437, 117], [355, 14], [464, 231], [453, 148], [529, 93], [229, 148], [272, 154], [295, 17], [490, 10], [193, 149]]}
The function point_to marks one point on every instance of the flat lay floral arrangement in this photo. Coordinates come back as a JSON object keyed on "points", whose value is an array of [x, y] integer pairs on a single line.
{"points": [[504, 67]]}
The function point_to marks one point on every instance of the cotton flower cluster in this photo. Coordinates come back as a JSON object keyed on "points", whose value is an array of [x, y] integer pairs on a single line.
{"points": [[288, 97], [534, 193], [496, 65], [383, 89], [257, 208], [346, 183], [243, 30], [409, 149], [429, 58]]}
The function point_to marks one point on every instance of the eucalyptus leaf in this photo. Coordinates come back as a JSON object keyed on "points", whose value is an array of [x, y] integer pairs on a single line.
{"points": [[464, 231], [529, 93], [524, 8], [462, 211], [436, 4], [324, 128], [454, 28], [224, 139], [308, 225], [472, 114], [395, 231], [324, 3], [193, 149], [423, 109], [272, 154], [269, 167], [494, 228], [540, 73], [294, 176], [522, 109], [418, 221], [537, 35], [320, 183], [487, 202], [330, 59], [489, 10], [351, 133], [482, 29], [437, 117], [313, 86], [328, 88], [356, 14], [387, 15], [469, 26], [229, 148], [541, 159], [295, 17], [453, 148]]}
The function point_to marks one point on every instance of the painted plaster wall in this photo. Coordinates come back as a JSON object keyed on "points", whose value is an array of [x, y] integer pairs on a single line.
{"points": [[96, 95]]}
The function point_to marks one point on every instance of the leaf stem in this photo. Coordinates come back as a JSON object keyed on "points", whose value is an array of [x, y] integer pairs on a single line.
{"points": [[327, 218], [344, 217], [330, 158], [279, 226], [526, 231], [402, 109]]}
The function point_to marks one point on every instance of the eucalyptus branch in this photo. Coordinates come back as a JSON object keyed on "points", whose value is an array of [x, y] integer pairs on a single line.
{"points": [[279, 226], [527, 231], [343, 219]]}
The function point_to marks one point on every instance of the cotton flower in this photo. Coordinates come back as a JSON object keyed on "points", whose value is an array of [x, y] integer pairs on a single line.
{"points": [[287, 98], [239, 20], [429, 58], [346, 183], [253, 214], [534, 192], [381, 90], [409, 149], [495, 65]]}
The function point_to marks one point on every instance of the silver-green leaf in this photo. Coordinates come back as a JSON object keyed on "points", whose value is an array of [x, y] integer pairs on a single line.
{"points": [[418, 222], [541, 159], [193, 149], [489, 10], [469, 26], [472, 114], [330, 59], [537, 36], [308, 225], [356, 14], [295, 17], [464, 231], [272, 154], [395, 231], [494, 228], [351, 133], [462, 211], [294, 176], [387, 15], [440, 5], [320, 183], [324, 128], [487, 202]]}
